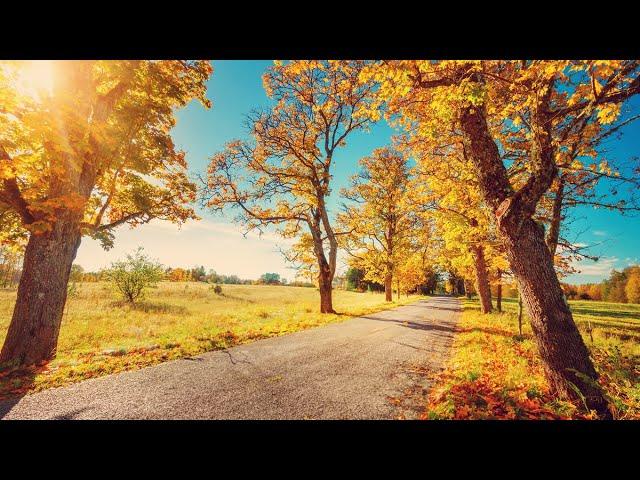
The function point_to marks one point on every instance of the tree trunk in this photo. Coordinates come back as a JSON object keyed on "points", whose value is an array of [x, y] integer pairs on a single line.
{"points": [[326, 270], [559, 342], [482, 279], [556, 218], [388, 288], [398, 287], [326, 297], [499, 291], [42, 292]]}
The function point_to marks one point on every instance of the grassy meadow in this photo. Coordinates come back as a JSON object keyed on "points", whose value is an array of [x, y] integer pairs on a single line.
{"points": [[101, 335], [494, 373]]}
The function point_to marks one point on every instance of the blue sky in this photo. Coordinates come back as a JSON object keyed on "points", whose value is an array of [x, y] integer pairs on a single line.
{"points": [[235, 88]]}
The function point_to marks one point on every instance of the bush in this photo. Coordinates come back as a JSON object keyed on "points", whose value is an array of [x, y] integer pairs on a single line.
{"points": [[217, 290], [134, 275]]}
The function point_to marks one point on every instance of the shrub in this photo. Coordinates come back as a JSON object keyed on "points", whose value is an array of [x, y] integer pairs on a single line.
{"points": [[134, 275], [217, 290]]}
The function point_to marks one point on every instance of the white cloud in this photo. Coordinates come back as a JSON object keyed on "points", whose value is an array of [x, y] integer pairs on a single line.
{"points": [[601, 267], [600, 233]]}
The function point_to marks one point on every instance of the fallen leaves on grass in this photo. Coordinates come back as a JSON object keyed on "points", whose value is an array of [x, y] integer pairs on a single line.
{"points": [[496, 374]]}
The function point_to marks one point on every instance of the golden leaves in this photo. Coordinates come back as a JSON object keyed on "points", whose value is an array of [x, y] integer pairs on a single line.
{"points": [[103, 117], [608, 113]]}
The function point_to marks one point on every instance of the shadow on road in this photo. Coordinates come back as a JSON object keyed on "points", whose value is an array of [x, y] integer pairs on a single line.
{"points": [[72, 414], [13, 386], [415, 325], [433, 307]]}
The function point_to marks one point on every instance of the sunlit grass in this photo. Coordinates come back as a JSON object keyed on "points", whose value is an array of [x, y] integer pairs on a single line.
{"points": [[495, 373], [100, 335]]}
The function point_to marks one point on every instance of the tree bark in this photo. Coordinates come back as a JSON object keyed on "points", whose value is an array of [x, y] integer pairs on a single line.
{"points": [[559, 342], [326, 297], [42, 292], [565, 357], [499, 292], [388, 288], [482, 279], [326, 269], [556, 218]]}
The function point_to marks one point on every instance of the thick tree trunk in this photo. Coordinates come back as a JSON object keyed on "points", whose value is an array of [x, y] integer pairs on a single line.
{"points": [[556, 217], [499, 292], [326, 297], [42, 293], [388, 288], [326, 270], [482, 279], [565, 356]]}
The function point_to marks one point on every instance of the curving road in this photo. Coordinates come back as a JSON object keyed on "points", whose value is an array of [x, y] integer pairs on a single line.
{"points": [[363, 368]]}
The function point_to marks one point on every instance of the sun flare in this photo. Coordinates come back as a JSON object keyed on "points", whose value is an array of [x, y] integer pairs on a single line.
{"points": [[35, 78]]}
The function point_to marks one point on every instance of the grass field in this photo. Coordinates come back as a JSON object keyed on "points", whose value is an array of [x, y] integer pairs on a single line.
{"points": [[100, 336], [495, 373]]}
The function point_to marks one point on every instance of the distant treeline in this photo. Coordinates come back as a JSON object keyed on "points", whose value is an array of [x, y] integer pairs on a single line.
{"points": [[621, 287], [195, 274], [355, 279]]}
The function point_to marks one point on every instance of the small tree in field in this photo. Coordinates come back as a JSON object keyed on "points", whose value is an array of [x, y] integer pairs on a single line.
{"points": [[134, 275]]}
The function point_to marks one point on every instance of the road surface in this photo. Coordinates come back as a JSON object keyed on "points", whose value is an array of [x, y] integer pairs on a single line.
{"points": [[369, 367]]}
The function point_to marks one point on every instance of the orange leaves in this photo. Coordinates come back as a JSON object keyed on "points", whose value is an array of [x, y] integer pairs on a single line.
{"points": [[492, 375], [608, 113], [487, 397]]}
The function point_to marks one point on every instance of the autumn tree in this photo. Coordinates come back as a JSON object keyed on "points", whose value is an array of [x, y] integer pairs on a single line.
{"points": [[412, 272], [134, 275], [282, 175], [177, 275], [586, 174], [449, 193], [302, 258], [632, 286], [378, 221], [88, 154], [489, 103]]}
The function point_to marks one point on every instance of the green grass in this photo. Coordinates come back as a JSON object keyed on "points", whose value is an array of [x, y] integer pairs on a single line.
{"points": [[100, 335], [495, 373]]}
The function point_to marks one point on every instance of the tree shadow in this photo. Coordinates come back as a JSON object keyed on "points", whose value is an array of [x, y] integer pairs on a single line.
{"points": [[15, 383], [628, 314], [149, 307], [72, 414], [631, 328], [492, 331], [433, 307], [413, 324], [233, 297]]}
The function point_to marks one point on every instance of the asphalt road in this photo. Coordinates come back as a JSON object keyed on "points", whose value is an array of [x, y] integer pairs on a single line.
{"points": [[364, 368]]}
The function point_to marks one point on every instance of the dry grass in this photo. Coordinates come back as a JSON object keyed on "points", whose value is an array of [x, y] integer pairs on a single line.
{"points": [[101, 335]]}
